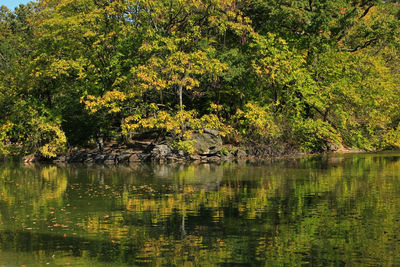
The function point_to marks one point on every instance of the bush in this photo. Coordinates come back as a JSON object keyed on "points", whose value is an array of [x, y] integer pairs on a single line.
{"points": [[256, 123], [314, 135], [32, 131]]}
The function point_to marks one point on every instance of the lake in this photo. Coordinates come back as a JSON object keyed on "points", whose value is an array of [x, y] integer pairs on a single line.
{"points": [[318, 210]]}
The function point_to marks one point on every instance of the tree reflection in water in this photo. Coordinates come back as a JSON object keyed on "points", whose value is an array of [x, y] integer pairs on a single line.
{"points": [[337, 209]]}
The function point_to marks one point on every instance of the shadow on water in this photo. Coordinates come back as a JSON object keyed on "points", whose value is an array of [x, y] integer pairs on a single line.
{"points": [[329, 209]]}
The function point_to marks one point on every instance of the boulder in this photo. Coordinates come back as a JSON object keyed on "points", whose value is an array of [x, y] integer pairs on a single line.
{"points": [[214, 159], [123, 157], [228, 157], [134, 158], [109, 161], [89, 160], [60, 159], [160, 152], [77, 157], [194, 157], [332, 147], [240, 154], [100, 158], [209, 142]]}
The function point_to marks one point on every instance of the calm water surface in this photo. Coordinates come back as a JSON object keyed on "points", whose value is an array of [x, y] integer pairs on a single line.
{"points": [[324, 210]]}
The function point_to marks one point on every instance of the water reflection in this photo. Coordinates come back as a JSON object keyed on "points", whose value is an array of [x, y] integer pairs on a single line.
{"points": [[337, 209]]}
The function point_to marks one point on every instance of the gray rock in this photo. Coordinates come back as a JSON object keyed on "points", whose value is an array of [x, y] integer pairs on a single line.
{"points": [[109, 161], [100, 158], [113, 157], [89, 160], [227, 157], [207, 143], [332, 147], [123, 157], [213, 159], [172, 158], [60, 159], [160, 152], [77, 157], [240, 154], [194, 157], [157, 152]]}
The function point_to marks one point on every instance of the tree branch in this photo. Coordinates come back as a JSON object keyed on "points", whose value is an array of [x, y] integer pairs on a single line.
{"points": [[4, 59], [365, 45], [366, 11], [310, 6]]}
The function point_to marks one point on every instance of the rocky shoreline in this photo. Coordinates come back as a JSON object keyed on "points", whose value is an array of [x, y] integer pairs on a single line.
{"points": [[208, 146], [152, 153]]}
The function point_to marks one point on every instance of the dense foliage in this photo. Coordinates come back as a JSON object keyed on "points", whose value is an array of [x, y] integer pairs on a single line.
{"points": [[278, 74]]}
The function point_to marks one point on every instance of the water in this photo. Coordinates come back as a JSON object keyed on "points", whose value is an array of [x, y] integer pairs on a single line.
{"points": [[323, 210]]}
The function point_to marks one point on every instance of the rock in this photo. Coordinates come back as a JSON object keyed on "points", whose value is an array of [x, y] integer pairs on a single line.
{"points": [[30, 158], [160, 152], [113, 156], [111, 159], [207, 143], [123, 157], [89, 160], [109, 162], [77, 157], [138, 145], [144, 156], [60, 159], [240, 154], [172, 158], [36, 157], [213, 159], [100, 158], [134, 158], [180, 153], [332, 147], [227, 157], [194, 157]]}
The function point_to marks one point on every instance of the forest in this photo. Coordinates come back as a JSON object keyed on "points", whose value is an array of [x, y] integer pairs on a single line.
{"points": [[279, 75]]}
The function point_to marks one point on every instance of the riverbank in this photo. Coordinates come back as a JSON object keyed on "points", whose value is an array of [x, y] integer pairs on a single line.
{"points": [[139, 152], [142, 151]]}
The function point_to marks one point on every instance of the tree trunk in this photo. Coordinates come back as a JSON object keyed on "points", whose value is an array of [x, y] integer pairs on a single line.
{"points": [[180, 92], [99, 141]]}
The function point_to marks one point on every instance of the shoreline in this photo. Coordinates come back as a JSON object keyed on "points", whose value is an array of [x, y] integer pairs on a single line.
{"points": [[163, 153]]}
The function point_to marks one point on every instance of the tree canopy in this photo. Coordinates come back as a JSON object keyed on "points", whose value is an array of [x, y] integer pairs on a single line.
{"points": [[303, 75]]}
